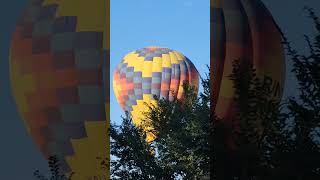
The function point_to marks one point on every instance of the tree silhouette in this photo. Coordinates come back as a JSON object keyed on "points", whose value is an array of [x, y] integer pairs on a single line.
{"points": [[299, 157], [273, 140], [55, 173], [180, 149]]}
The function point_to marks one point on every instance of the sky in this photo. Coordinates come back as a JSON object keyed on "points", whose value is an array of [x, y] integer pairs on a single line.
{"points": [[182, 25]]}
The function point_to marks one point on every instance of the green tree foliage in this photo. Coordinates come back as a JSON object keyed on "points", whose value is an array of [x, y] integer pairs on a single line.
{"points": [[132, 156], [180, 149]]}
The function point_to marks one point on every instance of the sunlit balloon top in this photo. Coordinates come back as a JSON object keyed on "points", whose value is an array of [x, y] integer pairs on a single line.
{"points": [[149, 72], [152, 71]]}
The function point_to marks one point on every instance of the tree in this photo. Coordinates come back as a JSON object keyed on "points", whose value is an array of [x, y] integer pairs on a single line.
{"points": [[244, 142], [181, 147], [278, 141], [132, 154], [54, 167], [299, 156], [273, 140]]}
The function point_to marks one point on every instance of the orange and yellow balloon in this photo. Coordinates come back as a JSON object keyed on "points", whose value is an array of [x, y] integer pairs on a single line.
{"points": [[149, 72], [59, 56]]}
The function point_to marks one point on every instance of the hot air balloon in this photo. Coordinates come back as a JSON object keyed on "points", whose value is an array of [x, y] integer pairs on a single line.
{"points": [[59, 68], [244, 30], [149, 72]]}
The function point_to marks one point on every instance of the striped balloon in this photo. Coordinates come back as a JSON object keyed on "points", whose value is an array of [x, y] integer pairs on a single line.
{"points": [[244, 30], [59, 67], [149, 72]]}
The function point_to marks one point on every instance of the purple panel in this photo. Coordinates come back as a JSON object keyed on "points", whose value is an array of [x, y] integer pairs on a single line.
{"points": [[166, 70], [68, 95], [93, 112], [156, 74], [86, 40], [48, 12], [147, 80], [129, 69], [139, 96], [65, 24], [53, 115], [66, 148], [75, 130], [146, 91]]}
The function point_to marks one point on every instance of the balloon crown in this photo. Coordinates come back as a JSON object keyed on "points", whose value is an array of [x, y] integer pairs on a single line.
{"points": [[152, 51]]}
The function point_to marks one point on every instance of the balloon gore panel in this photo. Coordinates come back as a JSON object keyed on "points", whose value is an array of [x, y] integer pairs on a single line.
{"points": [[58, 62]]}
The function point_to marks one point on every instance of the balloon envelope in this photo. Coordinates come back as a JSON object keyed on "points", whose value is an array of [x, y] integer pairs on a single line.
{"points": [[243, 30], [59, 60], [149, 72]]}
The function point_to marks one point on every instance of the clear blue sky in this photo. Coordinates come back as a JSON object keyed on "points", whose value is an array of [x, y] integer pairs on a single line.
{"points": [[182, 25]]}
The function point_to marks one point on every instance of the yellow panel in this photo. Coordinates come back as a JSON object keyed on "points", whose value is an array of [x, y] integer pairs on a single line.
{"points": [[97, 133], [85, 163], [147, 69], [138, 66], [157, 64], [180, 57], [21, 86], [106, 28], [180, 88], [215, 3], [137, 112], [173, 58], [93, 21], [226, 88], [76, 162], [166, 60], [138, 116], [129, 57], [117, 88], [134, 61]]}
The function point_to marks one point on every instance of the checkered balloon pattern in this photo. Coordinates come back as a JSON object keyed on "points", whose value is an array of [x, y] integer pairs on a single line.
{"points": [[149, 72], [59, 68]]}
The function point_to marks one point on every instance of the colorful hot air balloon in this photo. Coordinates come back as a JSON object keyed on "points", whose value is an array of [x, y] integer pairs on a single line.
{"points": [[59, 67], [244, 30], [148, 72]]}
